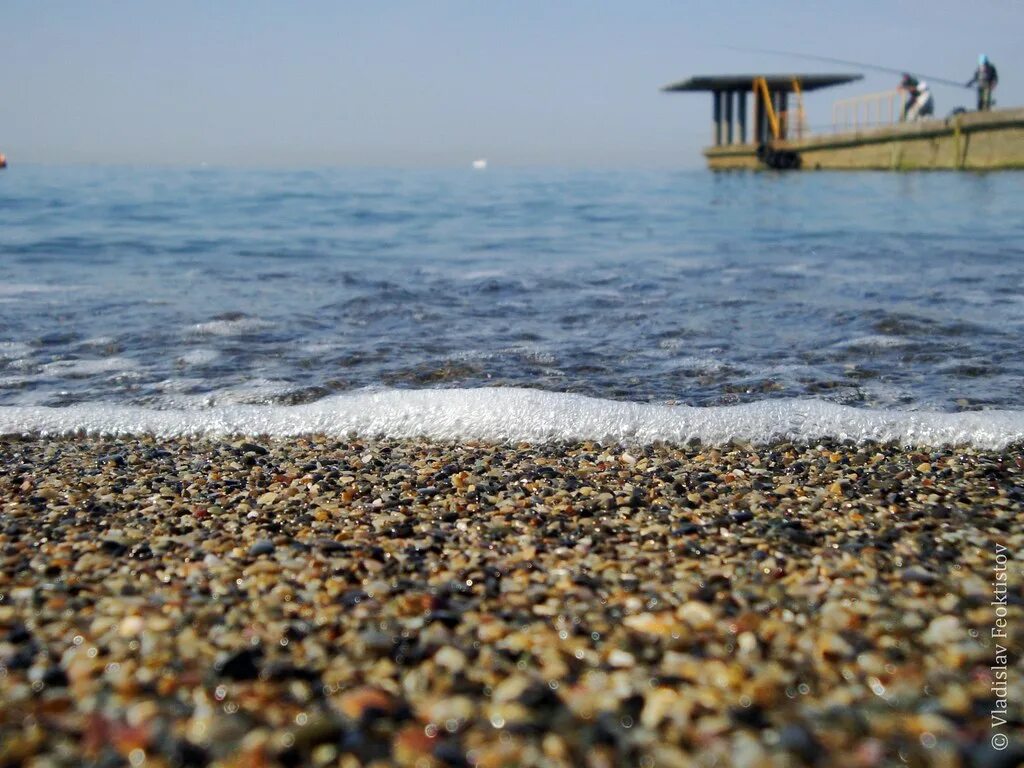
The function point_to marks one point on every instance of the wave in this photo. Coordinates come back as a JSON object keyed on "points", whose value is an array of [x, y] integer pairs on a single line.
{"points": [[527, 415]]}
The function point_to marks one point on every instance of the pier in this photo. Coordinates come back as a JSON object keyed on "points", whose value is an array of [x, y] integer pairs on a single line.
{"points": [[867, 132]]}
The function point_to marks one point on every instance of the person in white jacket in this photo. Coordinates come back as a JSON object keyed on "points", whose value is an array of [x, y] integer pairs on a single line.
{"points": [[919, 98]]}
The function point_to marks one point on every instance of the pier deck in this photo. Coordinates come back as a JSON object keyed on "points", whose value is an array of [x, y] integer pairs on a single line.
{"points": [[968, 141]]}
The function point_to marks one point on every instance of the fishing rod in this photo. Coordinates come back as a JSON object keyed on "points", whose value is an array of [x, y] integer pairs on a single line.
{"points": [[845, 62]]}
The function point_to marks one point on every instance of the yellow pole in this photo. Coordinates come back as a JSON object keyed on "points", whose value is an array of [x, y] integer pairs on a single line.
{"points": [[762, 85]]}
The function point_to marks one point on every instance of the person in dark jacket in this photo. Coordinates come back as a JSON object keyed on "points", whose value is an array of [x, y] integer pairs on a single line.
{"points": [[986, 78]]}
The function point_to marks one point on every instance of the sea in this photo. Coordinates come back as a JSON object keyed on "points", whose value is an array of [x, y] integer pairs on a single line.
{"points": [[513, 304]]}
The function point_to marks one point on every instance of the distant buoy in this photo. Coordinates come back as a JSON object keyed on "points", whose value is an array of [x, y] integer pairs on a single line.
{"points": [[3, 160], [479, 165]]}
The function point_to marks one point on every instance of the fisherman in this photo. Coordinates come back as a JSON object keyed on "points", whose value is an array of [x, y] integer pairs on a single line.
{"points": [[986, 78], [919, 99]]}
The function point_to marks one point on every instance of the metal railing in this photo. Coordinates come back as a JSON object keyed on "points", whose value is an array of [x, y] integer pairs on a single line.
{"points": [[793, 123], [868, 111]]}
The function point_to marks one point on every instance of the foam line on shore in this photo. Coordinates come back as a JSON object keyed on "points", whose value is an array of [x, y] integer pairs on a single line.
{"points": [[501, 414]]}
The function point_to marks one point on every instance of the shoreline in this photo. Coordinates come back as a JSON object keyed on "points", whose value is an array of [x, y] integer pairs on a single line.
{"points": [[323, 601]]}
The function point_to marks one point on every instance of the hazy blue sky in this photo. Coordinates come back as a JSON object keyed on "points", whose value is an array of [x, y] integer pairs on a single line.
{"points": [[571, 82]]}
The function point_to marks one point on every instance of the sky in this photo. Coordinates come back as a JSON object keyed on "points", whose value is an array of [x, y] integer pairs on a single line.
{"points": [[438, 83]]}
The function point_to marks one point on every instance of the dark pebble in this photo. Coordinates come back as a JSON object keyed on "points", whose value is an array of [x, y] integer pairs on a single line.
{"points": [[800, 741], [987, 756], [450, 753], [54, 677], [353, 597], [261, 547], [18, 634], [687, 529], [450, 619], [240, 665]]}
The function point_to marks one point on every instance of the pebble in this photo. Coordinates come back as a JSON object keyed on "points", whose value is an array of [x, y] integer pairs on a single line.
{"points": [[451, 659], [943, 630], [261, 547], [919, 575]]}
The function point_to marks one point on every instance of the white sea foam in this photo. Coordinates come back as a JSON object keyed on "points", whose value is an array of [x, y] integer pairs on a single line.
{"points": [[320, 347], [27, 289], [699, 364], [180, 384], [800, 268], [176, 394], [14, 381], [236, 327], [469, 275], [90, 367], [532, 353], [197, 357], [877, 341], [99, 341], [12, 350], [500, 414]]}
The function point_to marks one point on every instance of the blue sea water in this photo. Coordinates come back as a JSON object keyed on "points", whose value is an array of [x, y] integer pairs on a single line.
{"points": [[191, 290]]}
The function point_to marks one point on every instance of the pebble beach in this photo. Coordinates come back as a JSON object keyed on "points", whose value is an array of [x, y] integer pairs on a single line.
{"points": [[340, 602]]}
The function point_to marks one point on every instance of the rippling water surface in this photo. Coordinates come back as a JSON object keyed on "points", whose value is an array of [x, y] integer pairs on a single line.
{"points": [[194, 288]]}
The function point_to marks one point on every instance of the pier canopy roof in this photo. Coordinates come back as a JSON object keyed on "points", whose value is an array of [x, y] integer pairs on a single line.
{"points": [[776, 83]]}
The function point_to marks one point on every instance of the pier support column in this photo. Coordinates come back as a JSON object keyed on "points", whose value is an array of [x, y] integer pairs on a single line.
{"points": [[716, 116], [741, 115], [728, 95], [759, 119]]}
